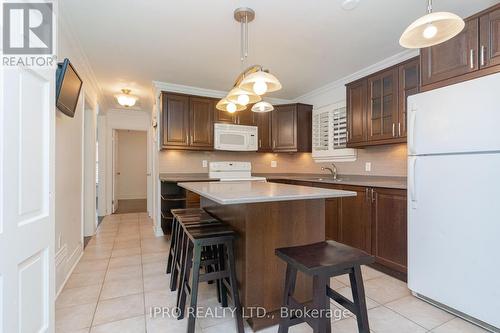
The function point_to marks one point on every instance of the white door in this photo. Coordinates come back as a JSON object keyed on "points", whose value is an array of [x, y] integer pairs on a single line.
{"points": [[116, 173], [27, 107], [459, 118], [453, 230]]}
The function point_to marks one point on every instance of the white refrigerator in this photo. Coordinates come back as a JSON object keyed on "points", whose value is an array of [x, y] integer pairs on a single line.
{"points": [[454, 198]]}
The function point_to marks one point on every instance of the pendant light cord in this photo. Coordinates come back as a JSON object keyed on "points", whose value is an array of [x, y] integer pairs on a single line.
{"points": [[429, 7]]}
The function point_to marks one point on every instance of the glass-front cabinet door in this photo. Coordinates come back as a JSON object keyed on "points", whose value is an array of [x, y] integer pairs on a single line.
{"points": [[383, 105]]}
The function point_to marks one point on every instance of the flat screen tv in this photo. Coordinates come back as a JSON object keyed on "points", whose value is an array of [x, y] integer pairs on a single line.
{"points": [[68, 86]]}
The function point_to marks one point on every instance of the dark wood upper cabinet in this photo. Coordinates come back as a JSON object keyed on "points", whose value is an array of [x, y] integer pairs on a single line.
{"points": [[454, 57], [356, 111], [201, 122], [175, 120], [389, 228], [409, 84], [263, 122], [489, 39], [383, 105], [292, 128], [224, 116], [246, 117]]}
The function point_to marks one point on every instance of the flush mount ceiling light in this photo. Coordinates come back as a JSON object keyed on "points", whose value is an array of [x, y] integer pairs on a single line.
{"points": [[125, 99], [262, 107], [431, 29], [350, 4], [253, 81]]}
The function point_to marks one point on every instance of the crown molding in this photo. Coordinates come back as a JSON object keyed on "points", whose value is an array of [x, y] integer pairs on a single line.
{"points": [[84, 64], [387, 62], [190, 90]]}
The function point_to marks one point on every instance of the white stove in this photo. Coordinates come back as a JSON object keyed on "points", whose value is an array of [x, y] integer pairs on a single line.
{"points": [[232, 171]]}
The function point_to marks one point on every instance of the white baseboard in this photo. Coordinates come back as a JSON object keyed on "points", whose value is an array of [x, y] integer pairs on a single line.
{"points": [[77, 252], [158, 231], [131, 196]]}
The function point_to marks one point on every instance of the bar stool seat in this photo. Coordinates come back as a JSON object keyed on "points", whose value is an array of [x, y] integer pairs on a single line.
{"points": [[322, 261]]}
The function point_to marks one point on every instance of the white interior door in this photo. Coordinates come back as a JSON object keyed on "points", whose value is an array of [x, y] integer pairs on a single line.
{"points": [[114, 168], [27, 200]]}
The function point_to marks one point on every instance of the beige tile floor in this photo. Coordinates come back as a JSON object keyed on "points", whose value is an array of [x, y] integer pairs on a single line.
{"points": [[122, 275]]}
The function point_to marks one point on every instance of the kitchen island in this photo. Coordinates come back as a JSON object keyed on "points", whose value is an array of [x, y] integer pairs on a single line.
{"points": [[266, 216]]}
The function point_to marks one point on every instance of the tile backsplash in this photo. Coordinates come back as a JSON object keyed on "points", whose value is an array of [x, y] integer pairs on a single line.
{"points": [[385, 161]]}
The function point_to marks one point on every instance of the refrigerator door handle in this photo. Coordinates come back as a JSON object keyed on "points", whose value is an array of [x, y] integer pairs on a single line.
{"points": [[411, 131], [412, 181]]}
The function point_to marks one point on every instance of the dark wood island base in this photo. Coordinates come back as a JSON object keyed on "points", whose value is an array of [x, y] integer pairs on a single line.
{"points": [[262, 228]]}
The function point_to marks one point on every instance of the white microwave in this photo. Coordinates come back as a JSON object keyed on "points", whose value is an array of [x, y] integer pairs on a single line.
{"points": [[235, 137]]}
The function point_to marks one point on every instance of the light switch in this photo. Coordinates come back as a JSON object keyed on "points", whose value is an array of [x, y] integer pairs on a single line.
{"points": [[368, 166], [274, 164], [204, 163]]}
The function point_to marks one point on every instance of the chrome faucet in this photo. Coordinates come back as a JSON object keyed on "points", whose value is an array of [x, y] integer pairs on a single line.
{"points": [[333, 170]]}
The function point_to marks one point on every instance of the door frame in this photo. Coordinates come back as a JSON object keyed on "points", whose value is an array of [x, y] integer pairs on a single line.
{"points": [[89, 218], [126, 120]]}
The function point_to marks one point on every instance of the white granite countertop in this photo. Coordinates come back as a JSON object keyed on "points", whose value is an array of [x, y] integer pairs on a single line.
{"points": [[228, 193]]}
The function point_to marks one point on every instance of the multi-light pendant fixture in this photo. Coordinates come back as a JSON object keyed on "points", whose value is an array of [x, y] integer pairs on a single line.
{"points": [[254, 81], [431, 29]]}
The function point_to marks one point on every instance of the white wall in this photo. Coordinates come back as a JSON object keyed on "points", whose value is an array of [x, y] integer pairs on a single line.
{"points": [[69, 161], [131, 165]]}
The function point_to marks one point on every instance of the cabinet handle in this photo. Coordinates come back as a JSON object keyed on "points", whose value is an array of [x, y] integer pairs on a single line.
{"points": [[366, 194], [393, 130], [347, 134], [399, 129], [274, 143], [471, 56], [192, 139], [483, 49], [373, 195], [260, 143], [187, 138]]}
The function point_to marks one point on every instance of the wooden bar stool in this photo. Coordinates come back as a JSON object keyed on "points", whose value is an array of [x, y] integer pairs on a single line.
{"points": [[322, 261], [200, 237], [189, 218], [176, 213]]}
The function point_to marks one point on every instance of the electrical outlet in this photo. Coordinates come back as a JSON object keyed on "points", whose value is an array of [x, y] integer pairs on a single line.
{"points": [[204, 163], [274, 164], [368, 166]]}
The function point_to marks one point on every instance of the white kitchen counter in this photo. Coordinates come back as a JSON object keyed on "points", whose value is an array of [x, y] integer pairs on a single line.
{"points": [[228, 193]]}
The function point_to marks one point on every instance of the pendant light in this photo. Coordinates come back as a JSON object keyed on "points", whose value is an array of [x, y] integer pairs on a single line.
{"points": [[231, 107], [260, 83], [243, 97], [431, 29], [262, 107], [125, 99], [253, 81]]}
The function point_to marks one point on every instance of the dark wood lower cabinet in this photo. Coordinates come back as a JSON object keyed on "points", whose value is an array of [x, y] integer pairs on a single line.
{"points": [[355, 219], [389, 228], [374, 221]]}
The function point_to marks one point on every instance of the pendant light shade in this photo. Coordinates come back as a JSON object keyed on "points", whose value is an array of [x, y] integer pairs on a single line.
{"points": [[243, 97], [431, 29], [260, 83], [262, 107], [231, 107]]}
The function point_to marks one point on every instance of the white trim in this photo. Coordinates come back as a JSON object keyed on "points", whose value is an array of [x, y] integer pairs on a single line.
{"points": [[388, 62], [131, 196], [84, 67], [70, 272], [190, 90]]}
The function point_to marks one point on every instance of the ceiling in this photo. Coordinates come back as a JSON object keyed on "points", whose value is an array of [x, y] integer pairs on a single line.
{"points": [[306, 44]]}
